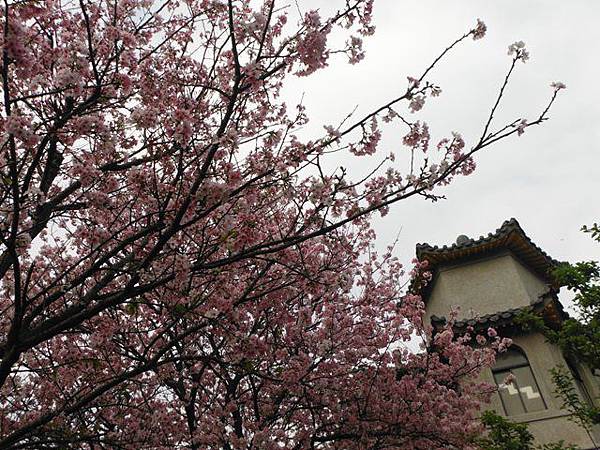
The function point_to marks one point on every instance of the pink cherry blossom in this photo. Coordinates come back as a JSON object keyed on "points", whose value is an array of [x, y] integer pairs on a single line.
{"points": [[416, 103], [182, 267], [510, 378], [521, 127], [479, 31], [518, 50]]}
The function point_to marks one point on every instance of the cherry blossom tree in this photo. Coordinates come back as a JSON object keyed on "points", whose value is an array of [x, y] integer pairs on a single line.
{"points": [[179, 267]]}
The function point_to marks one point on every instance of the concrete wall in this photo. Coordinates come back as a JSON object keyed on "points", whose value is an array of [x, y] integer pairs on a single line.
{"points": [[495, 284], [552, 424], [483, 287]]}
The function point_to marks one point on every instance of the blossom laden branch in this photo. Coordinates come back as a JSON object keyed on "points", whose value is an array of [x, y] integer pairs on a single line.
{"points": [[178, 266]]}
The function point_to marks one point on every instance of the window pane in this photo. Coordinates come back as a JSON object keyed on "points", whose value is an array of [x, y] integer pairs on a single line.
{"points": [[509, 395], [528, 389], [523, 394], [509, 359]]}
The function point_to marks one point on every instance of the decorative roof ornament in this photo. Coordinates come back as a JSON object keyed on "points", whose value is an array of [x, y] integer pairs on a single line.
{"points": [[462, 240]]}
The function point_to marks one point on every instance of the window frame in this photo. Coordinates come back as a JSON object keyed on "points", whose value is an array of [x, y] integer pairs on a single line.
{"points": [[579, 381], [509, 369]]}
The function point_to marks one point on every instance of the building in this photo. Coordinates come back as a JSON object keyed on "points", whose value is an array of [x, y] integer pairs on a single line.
{"points": [[491, 280]]}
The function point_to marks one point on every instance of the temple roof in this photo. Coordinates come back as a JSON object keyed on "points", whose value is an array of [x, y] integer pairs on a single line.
{"points": [[510, 236], [546, 306]]}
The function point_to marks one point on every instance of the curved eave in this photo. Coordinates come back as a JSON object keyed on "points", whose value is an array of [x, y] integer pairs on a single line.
{"points": [[546, 306], [510, 236]]}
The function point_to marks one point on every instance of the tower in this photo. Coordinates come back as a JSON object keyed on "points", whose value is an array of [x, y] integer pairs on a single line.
{"points": [[492, 279]]}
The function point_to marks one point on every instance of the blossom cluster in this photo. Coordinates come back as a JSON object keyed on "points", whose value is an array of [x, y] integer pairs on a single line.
{"points": [[182, 267]]}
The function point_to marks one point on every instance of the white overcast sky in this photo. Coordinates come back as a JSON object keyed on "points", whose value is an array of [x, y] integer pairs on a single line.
{"points": [[547, 178]]}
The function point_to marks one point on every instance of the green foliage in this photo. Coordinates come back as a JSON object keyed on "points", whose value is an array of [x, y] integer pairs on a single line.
{"points": [[502, 434], [578, 338], [582, 278], [560, 445], [583, 413], [529, 321], [594, 230]]}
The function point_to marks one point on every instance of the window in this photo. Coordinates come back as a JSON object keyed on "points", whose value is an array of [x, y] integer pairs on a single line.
{"points": [[523, 394], [579, 382]]}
